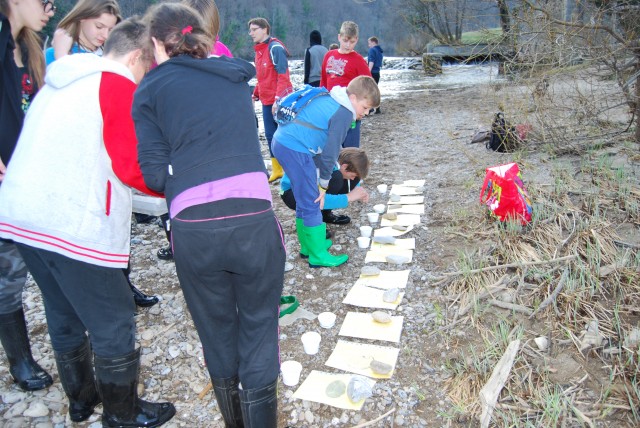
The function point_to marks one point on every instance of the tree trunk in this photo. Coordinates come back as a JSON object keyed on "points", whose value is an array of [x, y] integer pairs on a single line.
{"points": [[505, 18]]}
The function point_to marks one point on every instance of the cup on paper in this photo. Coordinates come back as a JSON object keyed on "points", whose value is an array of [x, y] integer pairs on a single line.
{"points": [[373, 217], [380, 208], [290, 372], [382, 189], [363, 241], [311, 342], [327, 319], [366, 231]]}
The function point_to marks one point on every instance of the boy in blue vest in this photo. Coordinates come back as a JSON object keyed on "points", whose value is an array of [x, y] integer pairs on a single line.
{"points": [[308, 149]]}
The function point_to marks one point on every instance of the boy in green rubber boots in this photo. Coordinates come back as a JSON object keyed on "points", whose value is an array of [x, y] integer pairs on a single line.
{"points": [[308, 149]]}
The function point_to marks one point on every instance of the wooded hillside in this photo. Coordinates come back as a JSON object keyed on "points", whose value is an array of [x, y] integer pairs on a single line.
{"points": [[293, 20]]}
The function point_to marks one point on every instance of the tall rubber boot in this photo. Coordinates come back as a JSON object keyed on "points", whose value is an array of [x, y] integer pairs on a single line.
{"points": [[142, 300], [304, 251], [318, 255], [260, 406], [117, 380], [25, 371], [228, 397], [276, 170], [75, 369]]}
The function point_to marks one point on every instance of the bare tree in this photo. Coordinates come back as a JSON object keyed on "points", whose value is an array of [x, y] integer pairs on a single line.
{"points": [[615, 42], [442, 20]]}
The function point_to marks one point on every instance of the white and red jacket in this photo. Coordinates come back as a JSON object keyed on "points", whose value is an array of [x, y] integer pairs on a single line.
{"points": [[272, 71], [67, 187]]}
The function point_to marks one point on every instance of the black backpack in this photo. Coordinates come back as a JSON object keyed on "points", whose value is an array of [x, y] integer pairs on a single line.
{"points": [[503, 137]]}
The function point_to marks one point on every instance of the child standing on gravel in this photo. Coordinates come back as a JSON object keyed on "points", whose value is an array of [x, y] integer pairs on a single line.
{"points": [[72, 223], [341, 66], [308, 148], [228, 249]]}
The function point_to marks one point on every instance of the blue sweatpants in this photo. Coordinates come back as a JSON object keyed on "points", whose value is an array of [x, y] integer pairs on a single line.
{"points": [[304, 182]]}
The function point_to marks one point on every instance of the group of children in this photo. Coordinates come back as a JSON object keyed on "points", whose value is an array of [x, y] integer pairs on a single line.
{"points": [[102, 123]]}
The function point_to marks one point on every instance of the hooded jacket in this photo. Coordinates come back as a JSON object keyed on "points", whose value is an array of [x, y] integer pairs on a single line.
{"points": [[313, 57], [272, 71], [66, 187], [319, 130], [196, 130]]}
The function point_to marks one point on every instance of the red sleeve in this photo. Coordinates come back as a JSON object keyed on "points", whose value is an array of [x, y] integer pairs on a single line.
{"points": [[116, 98], [283, 84], [363, 67], [323, 72]]}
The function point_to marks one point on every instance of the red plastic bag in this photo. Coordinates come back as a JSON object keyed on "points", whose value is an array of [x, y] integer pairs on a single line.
{"points": [[504, 193]]}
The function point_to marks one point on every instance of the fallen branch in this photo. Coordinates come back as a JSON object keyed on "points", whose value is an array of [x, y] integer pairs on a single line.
{"points": [[509, 265], [366, 424], [511, 306], [491, 390], [553, 294]]}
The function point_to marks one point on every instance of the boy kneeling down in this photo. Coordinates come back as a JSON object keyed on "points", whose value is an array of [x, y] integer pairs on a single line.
{"points": [[309, 147]]}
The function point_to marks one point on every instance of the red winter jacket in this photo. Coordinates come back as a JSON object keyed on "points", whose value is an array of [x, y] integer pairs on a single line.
{"points": [[272, 71]]}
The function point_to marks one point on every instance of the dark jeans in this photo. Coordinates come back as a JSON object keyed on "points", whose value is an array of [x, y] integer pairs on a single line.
{"points": [[270, 125], [353, 137], [231, 271], [13, 275], [80, 297]]}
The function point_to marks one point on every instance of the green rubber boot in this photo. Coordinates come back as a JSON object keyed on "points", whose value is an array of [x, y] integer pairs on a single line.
{"points": [[304, 251], [318, 254]]}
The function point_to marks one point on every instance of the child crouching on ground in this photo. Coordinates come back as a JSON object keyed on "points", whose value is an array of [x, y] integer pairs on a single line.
{"points": [[344, 185], [308, 149]]}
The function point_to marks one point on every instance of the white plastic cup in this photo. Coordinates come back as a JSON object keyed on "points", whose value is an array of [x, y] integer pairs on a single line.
{"points": [[364, 241], [311, 342], [373, 217], [366, 231], [382, 189], [327, 319], [380, 208], [291, 372]]}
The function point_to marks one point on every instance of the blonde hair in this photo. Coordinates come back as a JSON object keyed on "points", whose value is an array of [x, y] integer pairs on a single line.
{"points": [[208, 10], [349, 29], [365, 88], [88, 9], [31, 48]]}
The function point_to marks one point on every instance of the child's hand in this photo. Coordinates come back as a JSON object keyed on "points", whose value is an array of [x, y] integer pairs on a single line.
{"points": [[62, 43], [321, 199], [358, 194], [3, 169]]}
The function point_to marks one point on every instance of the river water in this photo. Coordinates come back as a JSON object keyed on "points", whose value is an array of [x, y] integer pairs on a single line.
{"points": [[395, 80]]}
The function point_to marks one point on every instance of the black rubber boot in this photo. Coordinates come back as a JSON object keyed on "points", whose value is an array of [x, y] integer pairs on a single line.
{"points": [[141, 299], [75, 369], [260, 406], [117, 380], [226, 391], [25, 371]]}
